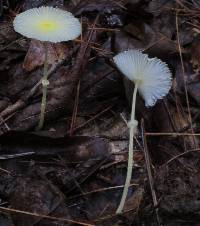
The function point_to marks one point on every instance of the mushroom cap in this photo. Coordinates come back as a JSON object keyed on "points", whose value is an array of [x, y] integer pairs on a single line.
{"points": [[47, 24], [152, 75]]}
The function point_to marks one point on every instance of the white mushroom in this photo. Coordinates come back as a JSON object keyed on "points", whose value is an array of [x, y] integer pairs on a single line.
{"points": [[152, 78], [151, 74], [47, 24]]}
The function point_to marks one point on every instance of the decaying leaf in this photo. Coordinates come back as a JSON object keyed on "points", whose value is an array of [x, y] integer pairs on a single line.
{"points": [[35, 55]]}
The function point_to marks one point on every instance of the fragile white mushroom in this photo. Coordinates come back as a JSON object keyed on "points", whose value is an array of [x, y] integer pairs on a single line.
{"points": [[152, 78], [47, 24]]}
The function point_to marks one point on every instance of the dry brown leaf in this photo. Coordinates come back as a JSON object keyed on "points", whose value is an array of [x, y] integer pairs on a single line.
{"points": [[36, 54]]}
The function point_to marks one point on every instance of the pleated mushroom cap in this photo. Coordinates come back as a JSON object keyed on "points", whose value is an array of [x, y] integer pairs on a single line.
{"points": [[47, 24], [152, 75]]}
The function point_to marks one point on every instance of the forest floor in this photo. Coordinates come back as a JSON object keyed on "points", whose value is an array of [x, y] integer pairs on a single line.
{"points": [[72, 172]]}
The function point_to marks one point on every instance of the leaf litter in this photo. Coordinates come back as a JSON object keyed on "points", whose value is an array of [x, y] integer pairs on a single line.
{"points": [[72, 172]]}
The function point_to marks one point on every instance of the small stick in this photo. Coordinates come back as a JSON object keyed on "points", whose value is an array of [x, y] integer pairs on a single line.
{"points": [[184, 80], [171, 134], [91, 119], [75, 110], [180, 155], [4, 209], [150, 177], [101, 190]]}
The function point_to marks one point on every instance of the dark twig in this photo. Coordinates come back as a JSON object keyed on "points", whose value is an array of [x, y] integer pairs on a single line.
{"points": [[184, 80], [8, 210], [180, 155], [100, 190], [92, 119], [150, 177], [75, 110]]}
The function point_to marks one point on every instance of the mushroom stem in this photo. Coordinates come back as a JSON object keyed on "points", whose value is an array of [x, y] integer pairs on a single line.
{"points": [[45, 84], [132, 126]]}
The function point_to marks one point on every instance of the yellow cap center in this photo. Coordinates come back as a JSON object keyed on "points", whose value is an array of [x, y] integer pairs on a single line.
{"points": [[47, 26]]}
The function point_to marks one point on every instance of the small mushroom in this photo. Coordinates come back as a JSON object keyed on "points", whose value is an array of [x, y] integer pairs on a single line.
{"points": [[47, 24], [153, 80]]}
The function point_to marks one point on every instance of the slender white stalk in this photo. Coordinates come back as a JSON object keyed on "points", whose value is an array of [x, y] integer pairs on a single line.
{"points": [[45, 83], [132, 127]]}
